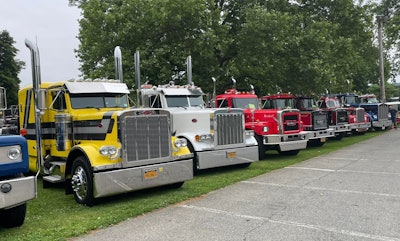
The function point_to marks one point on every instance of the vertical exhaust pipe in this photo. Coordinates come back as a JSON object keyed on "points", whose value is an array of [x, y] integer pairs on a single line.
{"points": [[118, 64], [35, 62], [214, 95], [189, 69], [234, 83], [137, 77]]}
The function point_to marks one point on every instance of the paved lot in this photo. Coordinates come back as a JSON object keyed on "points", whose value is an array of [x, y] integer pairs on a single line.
{"points": [[351, 194]]}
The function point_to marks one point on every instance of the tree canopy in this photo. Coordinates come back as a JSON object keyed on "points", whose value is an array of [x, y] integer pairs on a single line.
{"points": [[9, 67], [390, 9], [303, 46]]}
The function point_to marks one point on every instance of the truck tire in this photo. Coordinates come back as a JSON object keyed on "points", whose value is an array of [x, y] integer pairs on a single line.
{"points": [[176, 185], [82, 181], [315, 143], [289, 153], [13, 217], [261, 147], [339, 136]]}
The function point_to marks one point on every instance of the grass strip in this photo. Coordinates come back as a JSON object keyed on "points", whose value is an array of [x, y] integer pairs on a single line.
{"points": [[56, 216]]}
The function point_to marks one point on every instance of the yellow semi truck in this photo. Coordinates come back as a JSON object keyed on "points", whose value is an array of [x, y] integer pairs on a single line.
{"points": [[85, 134]]}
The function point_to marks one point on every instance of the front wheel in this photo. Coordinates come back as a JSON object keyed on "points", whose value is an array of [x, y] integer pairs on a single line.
{"points": [[261, 147], [176, 185], [13, 217], [315, 143], [289, 153], [82, 181]]}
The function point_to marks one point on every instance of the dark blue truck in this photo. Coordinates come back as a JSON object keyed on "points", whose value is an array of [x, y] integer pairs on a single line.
{"points": [[16, 187]]}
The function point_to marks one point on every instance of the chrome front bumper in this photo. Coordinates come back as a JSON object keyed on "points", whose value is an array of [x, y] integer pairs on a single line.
{"points": [[227, 157], [17, 191], [137, 178]]}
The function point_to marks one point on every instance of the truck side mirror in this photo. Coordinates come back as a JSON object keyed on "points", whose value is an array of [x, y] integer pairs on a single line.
{"points": [[42, 94], [3, 99]]}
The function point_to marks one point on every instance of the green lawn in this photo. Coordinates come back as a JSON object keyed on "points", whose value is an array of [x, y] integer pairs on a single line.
{"points": [[56, 216]]}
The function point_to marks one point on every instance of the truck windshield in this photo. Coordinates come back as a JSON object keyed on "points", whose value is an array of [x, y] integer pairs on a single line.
{"points": [[245, 103], [184, 101], [278, 104], [81, 101], [351, 100], [332, 103], [308, 103], [369, 100]]}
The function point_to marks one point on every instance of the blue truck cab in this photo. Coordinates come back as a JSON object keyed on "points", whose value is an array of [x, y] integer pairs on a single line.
{"points": [[16, 187]]}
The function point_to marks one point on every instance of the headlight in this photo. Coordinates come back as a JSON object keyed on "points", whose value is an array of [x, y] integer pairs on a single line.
{"points": [[265, 129], [249, 133], [108, 150], [14, 153], [180, 142]]}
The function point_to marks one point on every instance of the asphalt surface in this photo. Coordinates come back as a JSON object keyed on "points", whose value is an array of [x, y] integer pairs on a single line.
{"points": [[350, 194]]}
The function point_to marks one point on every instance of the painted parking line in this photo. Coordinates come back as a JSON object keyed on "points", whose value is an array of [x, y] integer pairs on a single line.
{"points": [[341, 170], [295, 224], [340, 158], [324, 189]]}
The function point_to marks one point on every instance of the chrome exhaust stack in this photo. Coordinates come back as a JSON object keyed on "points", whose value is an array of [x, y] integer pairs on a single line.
{"points": [[118, 64], [137, 77], [189, 69], [36, 78]]}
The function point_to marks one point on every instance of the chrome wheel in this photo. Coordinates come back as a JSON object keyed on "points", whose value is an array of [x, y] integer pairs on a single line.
{"points": [[79, 183], [82, 181]]}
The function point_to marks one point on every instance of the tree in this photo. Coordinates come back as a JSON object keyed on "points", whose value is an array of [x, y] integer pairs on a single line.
{"points": [[391, 10], [300, 46], [9, 67]]}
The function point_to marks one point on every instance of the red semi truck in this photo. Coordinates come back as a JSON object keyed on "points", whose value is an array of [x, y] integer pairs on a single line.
{"points": [[274, 129], [315, 120]]}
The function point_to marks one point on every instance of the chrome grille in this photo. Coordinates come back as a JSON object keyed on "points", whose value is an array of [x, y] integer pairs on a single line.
{"points": [[146, 137], [290, 121], [319, 120], [229, 128], [383, 112], [342, 116], [360, 115]]}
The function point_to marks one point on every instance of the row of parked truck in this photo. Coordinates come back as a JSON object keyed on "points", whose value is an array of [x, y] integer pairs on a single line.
{"points": [[88, 135]]}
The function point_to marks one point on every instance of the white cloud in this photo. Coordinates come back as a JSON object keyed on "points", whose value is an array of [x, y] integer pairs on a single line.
{"points": [[53, 25]]}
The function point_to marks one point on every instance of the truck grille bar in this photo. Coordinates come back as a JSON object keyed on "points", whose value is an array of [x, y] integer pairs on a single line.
{"points": [[360, 115], [146, 137], [383, 111], [319, 120], [229, 128], [341, 116], [290, 122]]}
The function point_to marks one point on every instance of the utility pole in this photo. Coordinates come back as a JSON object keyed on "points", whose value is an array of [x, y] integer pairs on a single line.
{"points": [[381, 19]]}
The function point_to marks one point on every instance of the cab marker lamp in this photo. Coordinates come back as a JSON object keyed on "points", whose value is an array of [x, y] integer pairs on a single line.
{"points": [[203, 138], [110, 151]]}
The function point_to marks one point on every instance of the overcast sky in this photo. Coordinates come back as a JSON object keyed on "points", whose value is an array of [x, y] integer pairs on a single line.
{"points": [[53, 25]]}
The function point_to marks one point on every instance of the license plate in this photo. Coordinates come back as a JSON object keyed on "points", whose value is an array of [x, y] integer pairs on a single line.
{"points": [[150, 174], [323, 139], [231, 154]]}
